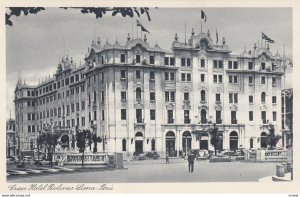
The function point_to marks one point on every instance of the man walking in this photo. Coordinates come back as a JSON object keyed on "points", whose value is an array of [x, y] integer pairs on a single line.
{"points": [[167, 158], [191, 158]]}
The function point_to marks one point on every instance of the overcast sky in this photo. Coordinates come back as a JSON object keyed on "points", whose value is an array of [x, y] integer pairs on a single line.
{"points": [[35, 42]]}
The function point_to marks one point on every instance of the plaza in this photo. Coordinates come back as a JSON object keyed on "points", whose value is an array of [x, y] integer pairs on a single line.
{"points": [[156, 171]]}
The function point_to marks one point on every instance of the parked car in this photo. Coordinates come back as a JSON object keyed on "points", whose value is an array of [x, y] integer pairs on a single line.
{"points": [[203, 154]]}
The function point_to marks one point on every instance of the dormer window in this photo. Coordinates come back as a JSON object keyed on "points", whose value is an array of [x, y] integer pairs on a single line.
{"points": [[138, 59], [263, 66], [122, 58], [151, 59]]}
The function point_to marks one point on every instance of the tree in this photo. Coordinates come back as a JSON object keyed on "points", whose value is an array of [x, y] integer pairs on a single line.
{"points": [[98, 11], [214, 139], [50, 141], [272, 139], [84, 140]]}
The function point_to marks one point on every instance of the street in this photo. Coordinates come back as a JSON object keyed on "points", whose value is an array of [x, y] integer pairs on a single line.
{"points": [[157, 171]]}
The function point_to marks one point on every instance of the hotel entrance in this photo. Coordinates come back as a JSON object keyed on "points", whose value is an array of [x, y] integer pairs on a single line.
{"points": [[139, 143], [170, 144]]}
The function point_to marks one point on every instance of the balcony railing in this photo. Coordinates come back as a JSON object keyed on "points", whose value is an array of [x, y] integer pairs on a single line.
{"points": [[139, 120], [219, 121]]}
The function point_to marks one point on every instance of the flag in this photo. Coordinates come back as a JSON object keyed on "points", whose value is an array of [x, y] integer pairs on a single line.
{"points": [[266, 38], [203, 16], [217, 37], [142, 27]]}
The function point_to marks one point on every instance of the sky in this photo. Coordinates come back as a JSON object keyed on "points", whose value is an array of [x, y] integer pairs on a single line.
{"points": [[35, 43]]}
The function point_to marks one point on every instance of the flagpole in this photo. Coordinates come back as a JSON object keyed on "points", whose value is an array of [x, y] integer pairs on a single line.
{"points": [[132, 30], [137, 31], [201, 25]]}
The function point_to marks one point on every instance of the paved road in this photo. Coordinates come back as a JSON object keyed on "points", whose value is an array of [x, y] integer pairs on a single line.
{"points": [[158, 171]]}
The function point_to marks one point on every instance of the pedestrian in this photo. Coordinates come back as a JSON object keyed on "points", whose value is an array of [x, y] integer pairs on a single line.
{"points": [[167, 158], [191, 158]]}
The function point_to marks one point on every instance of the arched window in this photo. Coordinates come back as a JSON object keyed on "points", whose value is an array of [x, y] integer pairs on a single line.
{"points": [[203, 116], [263, 97], [138, 93], [124, 145], [153, 145], [202, 95]]}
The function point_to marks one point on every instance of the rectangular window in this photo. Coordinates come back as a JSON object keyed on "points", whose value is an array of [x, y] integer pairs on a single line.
{"points": [[235, 65], [220, 79], [166, 61], [82, 88], [202, 76], [263, 117], [152, 75], [215, 78], [167, 98], [103, 115], [123, 114], [250, 65], [102, 96], [138, 74], [218, 97], [83, 121], [187, 117], [220, 64], [250, 115], [188, 77], [186, 96], [218, 117], [123, 74], [230, 79], [67, 82], [95, 115], [172, 61], [188, 62], [263, 66], [152, 96], [274, 116], [170, 116], [77, 106], [122, 58], [166, 76], [82, 105], [235, 98], [235, 79], [229, 64], [152, 114], [151, 59], [172, 76], [72, 107], [250, 99], [230, 98], [139, 118], [71, 81], [202, 63], [273, 99], [250, 79], [263, 80], [29, 128], [182, 61], [233, 117], [172, 96], [215, 63], [273, 80], [182, 76], [123, 96], [138, 59]]}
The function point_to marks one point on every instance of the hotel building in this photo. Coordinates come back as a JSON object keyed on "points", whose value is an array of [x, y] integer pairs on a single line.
{"points": [[139, 98]]}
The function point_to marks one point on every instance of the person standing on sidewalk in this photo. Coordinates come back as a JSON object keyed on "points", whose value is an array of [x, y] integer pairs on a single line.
{"points": [[191, 158], [167, 158]]}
